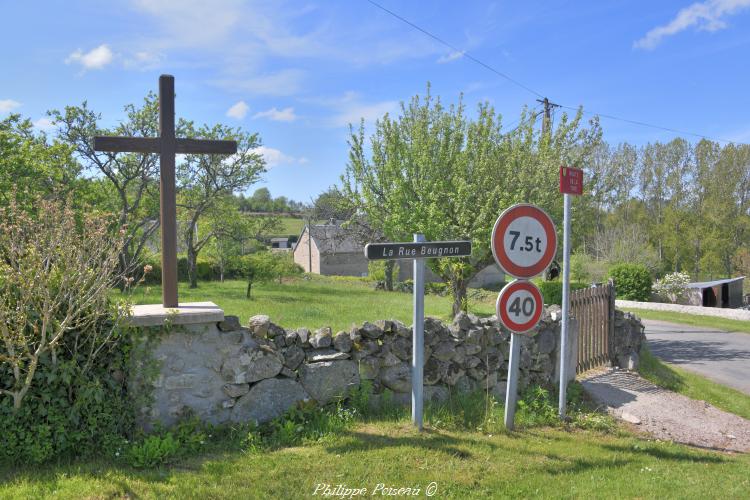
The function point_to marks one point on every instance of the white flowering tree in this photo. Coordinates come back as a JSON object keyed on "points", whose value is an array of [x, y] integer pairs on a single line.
{"points": [[672, 286]]}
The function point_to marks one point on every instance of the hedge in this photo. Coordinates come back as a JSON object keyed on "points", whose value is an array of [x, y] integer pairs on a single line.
{"points": [[632, 281]]}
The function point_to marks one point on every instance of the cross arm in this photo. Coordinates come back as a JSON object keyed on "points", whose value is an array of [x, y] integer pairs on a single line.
{"points": [[153, 145], [127, 144], [204, 146]]}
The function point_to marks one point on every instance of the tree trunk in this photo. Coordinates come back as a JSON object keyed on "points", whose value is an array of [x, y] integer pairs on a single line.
{"points": [[192, 266], [249, 286], [389, 265], [458, 291]]}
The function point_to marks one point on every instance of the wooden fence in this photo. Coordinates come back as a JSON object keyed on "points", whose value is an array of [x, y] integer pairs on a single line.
{"points": [[594, 308]]}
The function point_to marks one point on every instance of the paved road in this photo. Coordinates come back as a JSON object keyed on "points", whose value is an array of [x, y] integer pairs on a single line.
{"points": [[719, 355]]}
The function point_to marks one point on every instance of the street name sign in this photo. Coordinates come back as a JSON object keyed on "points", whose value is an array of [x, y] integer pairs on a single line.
{"points": [[418, 251], [524, 241], [409, 250], [519, 306]]}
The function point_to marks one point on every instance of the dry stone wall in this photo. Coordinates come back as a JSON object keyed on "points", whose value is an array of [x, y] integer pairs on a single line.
{"points": [[224, 372]]}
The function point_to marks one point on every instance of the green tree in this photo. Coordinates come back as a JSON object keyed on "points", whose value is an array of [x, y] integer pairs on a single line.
{"points": [[32, 167], [205, 180], [131, 190], [261, 200], [434, 171], [332, 204]]}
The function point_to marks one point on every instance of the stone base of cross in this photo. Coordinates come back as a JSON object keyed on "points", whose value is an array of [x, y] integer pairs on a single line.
{"points": [[166, 146]]}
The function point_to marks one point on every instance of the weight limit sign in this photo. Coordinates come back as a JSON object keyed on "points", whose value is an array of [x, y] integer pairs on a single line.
{"points": [[524, 241], [519, 306]]}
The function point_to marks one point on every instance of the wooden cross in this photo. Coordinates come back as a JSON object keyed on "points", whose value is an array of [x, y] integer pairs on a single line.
{"points": [[167, 145]]}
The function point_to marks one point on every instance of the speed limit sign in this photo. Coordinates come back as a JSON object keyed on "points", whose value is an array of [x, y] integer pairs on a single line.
{"points": [[524, 241], [519, 306]]}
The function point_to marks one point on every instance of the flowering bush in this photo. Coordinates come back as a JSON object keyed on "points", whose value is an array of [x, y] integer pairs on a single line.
{"points": [[62, 345], [672, 286]]}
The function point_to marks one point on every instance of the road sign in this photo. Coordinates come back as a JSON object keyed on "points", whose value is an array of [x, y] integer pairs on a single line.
{"points": [[571, 181], [519, 306], [419, 250], [426, 250], [524, 241]]}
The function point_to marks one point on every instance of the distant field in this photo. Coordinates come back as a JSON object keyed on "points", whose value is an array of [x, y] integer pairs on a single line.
{"points": [[290, 226], [314, 301]]}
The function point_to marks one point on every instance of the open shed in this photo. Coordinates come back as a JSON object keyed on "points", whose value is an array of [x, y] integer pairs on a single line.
{"points": [[718, 293]]}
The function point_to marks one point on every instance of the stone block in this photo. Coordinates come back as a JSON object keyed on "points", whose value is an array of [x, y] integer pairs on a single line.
{"points": [[397, 378], [268, 399], [230, 324], [329, 380], [259, 324], [342, 342], [236, 390], [319, 355]]}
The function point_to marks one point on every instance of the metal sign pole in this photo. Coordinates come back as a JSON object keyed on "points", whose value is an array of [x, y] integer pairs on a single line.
{"points": [[511, 393], [565, 307], [417, 357]]}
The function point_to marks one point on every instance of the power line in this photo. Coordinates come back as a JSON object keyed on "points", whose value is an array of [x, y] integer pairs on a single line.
{"points": [[644, 124], [456, 49], [532, 91]]}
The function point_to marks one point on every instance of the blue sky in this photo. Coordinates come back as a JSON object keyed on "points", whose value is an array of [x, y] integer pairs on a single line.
{"points": [[298, 72]]}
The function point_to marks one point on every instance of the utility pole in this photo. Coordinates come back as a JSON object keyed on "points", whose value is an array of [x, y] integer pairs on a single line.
{"points": [[547, 120]]}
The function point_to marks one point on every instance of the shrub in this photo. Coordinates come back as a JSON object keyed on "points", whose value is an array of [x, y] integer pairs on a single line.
{"points": [[632, 281], [266, 266], [63, 351], [552, 290], [672, 286]]}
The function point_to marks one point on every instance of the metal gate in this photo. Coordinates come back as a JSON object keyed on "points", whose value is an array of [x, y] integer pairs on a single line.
{"points": [[594, 308]]}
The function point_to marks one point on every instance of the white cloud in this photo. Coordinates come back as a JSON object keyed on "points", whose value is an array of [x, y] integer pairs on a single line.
{"points": [[238, 110], [283, 115], [453, 56], [193, 23], [8, 105], [144, 60], [705, 16], [350, 109], [275, 157], [94, 59], [282, 83], [44, 124]]}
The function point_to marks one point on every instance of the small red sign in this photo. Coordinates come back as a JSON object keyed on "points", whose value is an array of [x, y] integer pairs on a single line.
{"points": [[571, 180]]}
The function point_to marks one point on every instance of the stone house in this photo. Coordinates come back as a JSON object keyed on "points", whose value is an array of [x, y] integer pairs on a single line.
{"points": [[332, 251]]}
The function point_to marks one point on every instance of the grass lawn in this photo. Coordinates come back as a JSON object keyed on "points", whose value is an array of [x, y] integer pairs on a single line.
{"points": [[291, 226], [730, 325], [550, 463], [692, 385], [313, 301], [546, 463]]}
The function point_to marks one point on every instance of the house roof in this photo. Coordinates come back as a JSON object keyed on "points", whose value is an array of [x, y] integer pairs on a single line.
{"points": [[709, 284], [332, 238], [280, 239]]}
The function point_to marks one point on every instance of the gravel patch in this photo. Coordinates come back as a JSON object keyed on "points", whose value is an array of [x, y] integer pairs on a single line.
{"points": [[667, 415], [739, 314]]}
